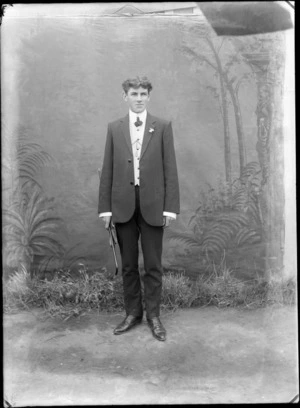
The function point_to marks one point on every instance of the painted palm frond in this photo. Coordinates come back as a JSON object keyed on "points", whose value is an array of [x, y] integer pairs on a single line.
{"points": [[46, 246], [35, 208], [30, 159], [46, 227], [13, 221], [30, 229]]}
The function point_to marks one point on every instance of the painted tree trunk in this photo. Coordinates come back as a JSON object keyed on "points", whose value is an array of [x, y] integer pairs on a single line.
{"points": [[275, 177], [239, 124], [227, 146], [270, 151]]}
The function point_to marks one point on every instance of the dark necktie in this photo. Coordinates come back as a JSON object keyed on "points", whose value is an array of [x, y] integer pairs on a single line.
{"points": [[138, 122]]}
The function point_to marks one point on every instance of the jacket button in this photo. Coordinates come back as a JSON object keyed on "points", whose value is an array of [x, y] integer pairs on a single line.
{"points": [[129, 160], [131, 183]]}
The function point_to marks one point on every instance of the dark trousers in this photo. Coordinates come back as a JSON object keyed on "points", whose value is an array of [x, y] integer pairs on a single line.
{"points": [[128, 235]]}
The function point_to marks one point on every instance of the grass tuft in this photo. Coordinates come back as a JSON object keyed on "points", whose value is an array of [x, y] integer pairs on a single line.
{"points": [[66, 296], [227, 291], [177, 291]]}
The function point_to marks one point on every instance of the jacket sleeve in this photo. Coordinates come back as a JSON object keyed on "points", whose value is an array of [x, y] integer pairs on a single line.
{"points": [[172, 200], [104, 204]]}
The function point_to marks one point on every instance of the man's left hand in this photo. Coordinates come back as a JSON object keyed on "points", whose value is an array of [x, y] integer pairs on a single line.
{"points": [[167, 221]]}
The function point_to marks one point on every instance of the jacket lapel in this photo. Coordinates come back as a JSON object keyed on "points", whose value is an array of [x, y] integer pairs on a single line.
{"points": [[148, 134], [126, 132]]}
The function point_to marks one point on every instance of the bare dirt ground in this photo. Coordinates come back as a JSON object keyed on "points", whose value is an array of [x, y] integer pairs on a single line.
{"points": [[210, 356]]}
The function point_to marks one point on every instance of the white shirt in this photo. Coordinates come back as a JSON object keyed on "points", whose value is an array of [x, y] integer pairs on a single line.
{"points": [[137, 136]]}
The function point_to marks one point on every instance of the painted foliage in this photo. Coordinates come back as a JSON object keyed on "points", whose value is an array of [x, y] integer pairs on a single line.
{"points": [[218, 92]]}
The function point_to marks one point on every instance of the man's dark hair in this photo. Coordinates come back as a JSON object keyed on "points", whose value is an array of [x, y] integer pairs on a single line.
{"points": [[136, 83]]}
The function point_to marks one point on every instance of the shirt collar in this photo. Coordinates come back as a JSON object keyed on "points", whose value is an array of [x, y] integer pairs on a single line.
{"points": [[133, 116]]}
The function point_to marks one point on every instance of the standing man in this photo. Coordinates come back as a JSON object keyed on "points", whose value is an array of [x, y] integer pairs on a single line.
{"points": [[139, 193]]}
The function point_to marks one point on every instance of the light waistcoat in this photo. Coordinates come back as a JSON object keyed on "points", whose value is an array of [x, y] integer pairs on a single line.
{"points": [[137, 136]]}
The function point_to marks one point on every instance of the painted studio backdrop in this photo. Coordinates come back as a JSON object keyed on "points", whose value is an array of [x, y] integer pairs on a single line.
{"points": [[62, 77]]}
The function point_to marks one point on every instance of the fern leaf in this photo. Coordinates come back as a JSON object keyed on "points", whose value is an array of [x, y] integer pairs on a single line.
{"points": [[224, 229], [213, 245], [253, 212], [250, 169], [236, 219], [184, 238], [246, 236], [193, 218], [216, 237]]}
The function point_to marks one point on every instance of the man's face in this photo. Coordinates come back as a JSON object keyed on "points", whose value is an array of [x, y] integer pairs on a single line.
{"points": [[137, 99]]}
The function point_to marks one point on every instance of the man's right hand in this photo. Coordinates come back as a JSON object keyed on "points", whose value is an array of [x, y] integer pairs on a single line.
{"points": [[106, 220]]}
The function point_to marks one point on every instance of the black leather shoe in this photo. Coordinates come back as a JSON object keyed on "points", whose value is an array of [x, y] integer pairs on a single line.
{"points": [[127, 324], [158, 330]]}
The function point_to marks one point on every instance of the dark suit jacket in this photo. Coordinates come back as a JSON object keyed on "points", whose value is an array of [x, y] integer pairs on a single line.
{"points": [[159, 189]]}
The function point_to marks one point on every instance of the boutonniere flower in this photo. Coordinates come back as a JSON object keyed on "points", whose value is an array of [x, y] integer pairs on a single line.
{"points": [[151, 130]]}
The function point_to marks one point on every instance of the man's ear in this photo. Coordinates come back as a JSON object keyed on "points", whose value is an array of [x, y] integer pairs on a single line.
{"points": [[124, 94]]}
